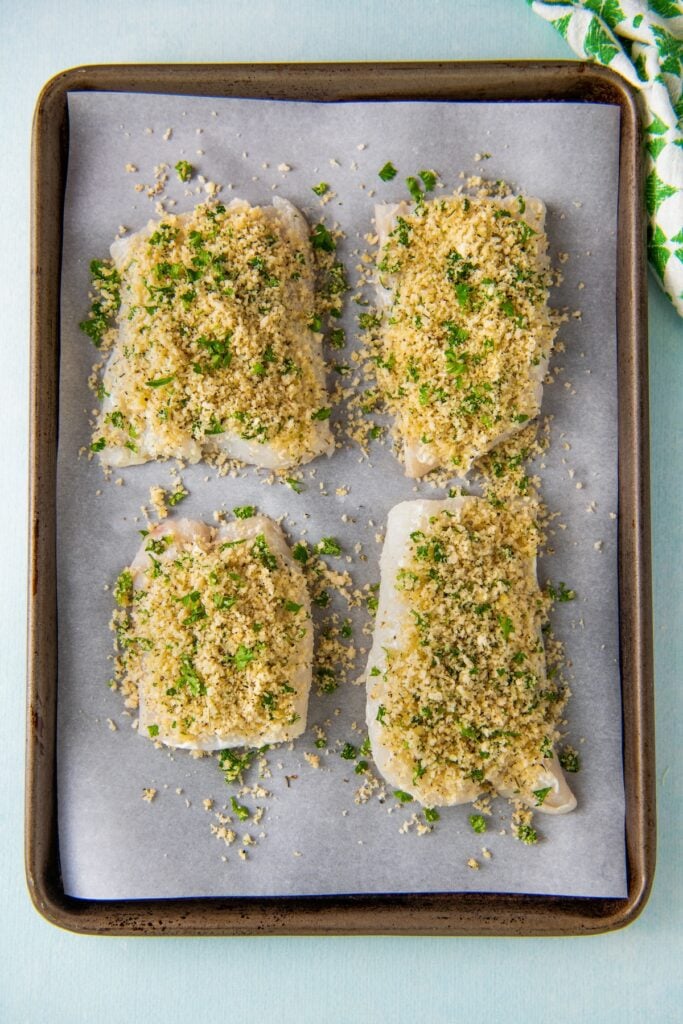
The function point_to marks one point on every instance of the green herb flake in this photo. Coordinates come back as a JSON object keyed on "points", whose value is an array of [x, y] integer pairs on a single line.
{"points": [[153, 730], [184, 170], [98, 445], [300, 553], [242, 657], [292, 606], [296, 485], [123, 588], [177, 496], [388, 172], [348, 752], [541, 794], [189, 677], [321, 188], [569, 759], [160, 382], [561, 593], [338, 337], [244, 511], [322, 239], [328, 546], [321, 414], [233, 764], [429, 179], [413, 186], [506, 626], [261, 551], [478, 823], [432, 815], [402, 796], [527, 834], [240, 810]]}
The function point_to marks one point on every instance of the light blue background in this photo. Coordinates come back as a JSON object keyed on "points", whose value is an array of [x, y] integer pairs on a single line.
{"points": [[47, 975]]}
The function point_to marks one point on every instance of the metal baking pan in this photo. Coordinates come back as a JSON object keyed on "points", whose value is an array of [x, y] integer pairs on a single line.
{"points": [[434, 914]]}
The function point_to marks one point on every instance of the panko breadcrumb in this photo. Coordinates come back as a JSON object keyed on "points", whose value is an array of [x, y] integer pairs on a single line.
{"points": [[464, 334], [218, 348], [215, 636], [459, 702]]}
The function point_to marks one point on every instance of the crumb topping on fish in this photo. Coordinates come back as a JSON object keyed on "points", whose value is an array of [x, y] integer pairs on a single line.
{"points": [[217, 349], [466, 332], [215, 635], [459, 702]]}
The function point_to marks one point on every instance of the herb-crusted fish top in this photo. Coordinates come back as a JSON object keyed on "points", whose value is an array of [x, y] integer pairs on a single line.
{"points": [[215, 635], [216, 348], [465, 335], [459, 699]]}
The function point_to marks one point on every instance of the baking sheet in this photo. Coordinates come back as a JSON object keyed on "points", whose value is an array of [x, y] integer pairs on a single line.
{"points": [[317, 839]]}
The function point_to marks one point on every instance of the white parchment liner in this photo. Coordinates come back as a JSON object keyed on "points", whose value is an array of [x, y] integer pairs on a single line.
{"points": [[112, 843]]}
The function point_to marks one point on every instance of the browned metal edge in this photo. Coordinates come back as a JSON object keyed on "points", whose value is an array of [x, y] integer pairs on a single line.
{"points": [[433, 914]]}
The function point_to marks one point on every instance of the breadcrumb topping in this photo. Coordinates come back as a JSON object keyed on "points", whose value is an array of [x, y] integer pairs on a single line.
{"points": [[215, 638], [464, 695], [217, 337], [461, 349]]}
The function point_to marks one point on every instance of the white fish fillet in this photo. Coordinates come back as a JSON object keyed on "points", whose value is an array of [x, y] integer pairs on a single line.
{"points": [[418, 457], [392, 618], [185, 534], [148, 445]]}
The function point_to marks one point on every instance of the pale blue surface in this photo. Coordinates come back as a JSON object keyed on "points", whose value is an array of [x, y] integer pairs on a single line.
{"points": [[47, 975]]}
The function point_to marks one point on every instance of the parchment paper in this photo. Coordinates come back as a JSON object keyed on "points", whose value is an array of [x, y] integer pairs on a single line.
{"points": [[317, 840]]}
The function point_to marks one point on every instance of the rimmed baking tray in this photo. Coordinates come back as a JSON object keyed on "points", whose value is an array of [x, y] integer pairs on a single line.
{"points": [[435, 914]]}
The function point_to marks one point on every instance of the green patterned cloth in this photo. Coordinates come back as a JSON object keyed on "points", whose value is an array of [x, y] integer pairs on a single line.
{"points": [[643, 42]]}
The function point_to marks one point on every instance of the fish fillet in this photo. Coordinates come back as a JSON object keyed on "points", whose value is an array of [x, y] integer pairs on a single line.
{"points": [[218, 639], [214, 352], [466, 333], [458, 701]]}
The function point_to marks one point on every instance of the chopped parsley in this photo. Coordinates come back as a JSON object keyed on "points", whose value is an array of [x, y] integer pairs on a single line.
{"points": [[243, 656], [296, 485], [541, 794], [184, 170], [321, 188], [153, 730], [177, 496], [527, 834], [233, 764], [432, 815], [301, 553], [123, 588], [569, 760], [428, 180], [261, 551], [328, 546], [561, 593], [322, 239], [189, 677], [402, 796], [348, 752], [244, 511], [240, 810], [478, 823], [506, 626], [413, 186], [321, 414], [388, 172]]}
